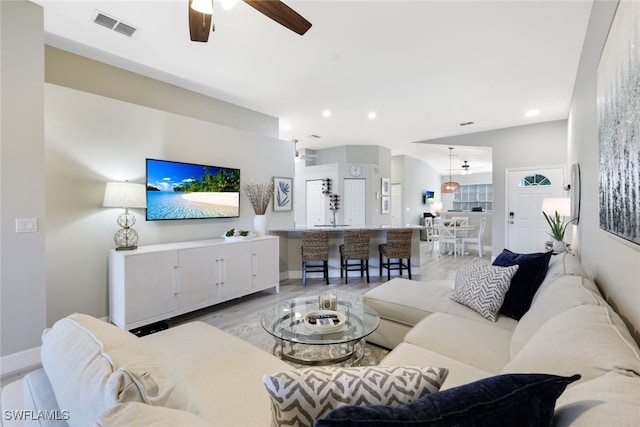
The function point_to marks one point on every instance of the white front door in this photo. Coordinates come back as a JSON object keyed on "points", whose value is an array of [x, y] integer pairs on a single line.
{"points": [[354, 203], [527, 230], [396, 205], [316, 203]]}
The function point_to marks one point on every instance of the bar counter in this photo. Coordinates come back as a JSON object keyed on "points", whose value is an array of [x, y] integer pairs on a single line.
{"points": [[291, 243]]}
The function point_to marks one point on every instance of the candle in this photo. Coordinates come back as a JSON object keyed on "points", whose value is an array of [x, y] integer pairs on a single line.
{"points": [[328, 301]]}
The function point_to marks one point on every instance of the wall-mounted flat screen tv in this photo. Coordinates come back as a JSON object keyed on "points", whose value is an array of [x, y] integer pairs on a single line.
{"points": [[177, 190], [427, 195]]}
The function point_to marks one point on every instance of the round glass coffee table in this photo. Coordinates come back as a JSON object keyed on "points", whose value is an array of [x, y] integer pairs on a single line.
{"points": [[298, 343]]}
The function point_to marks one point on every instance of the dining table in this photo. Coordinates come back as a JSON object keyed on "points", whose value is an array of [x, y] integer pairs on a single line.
{"points": [[458, 231]]}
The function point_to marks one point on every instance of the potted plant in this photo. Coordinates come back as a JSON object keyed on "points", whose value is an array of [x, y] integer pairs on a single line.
{"points": [[558, 229]]}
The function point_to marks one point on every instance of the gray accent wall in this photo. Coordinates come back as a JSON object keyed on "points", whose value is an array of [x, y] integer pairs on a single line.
{"points": [[22, 189], [613, 262]]}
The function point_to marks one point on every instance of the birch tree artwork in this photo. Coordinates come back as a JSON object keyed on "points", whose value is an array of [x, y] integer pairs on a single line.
{"points": [[618, 93]]}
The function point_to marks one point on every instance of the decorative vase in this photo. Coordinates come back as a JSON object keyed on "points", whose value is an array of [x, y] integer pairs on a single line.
{"points": [[559, 246], [260, 225]]}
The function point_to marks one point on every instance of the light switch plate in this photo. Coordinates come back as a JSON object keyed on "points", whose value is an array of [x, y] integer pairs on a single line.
{"points": [[26, 225]]}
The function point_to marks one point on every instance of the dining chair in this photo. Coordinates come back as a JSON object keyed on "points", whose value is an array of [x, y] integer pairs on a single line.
{"points": [[431, 234], [448, 235], [398, 247], [315, 249], [355, 248], [461, 221], [475, 240]]}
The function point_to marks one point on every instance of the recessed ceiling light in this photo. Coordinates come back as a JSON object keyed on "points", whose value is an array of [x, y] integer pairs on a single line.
{"points": [[286, 126], [326, 113], [532, 113], [372, 115]]}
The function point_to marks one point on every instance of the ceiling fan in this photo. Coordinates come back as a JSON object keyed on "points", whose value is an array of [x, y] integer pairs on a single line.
{"points": [[301, 156], [201, 17]]}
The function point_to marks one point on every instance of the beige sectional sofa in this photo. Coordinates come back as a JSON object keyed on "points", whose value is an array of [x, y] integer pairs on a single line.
{"points": [[568, 329]]}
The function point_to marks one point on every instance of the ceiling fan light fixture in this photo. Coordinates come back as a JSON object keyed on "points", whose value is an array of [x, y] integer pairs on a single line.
{"points": [[465, 169], [228, 4], [203, 6], [450, 186]]}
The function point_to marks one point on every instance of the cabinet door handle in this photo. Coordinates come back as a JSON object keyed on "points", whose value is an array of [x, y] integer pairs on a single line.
{"points": [[176, 280], [254, 267], [217, 272]]}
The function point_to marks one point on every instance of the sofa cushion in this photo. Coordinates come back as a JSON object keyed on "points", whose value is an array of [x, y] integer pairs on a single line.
{"points": [[460, 373], [300, 397], [610, 400], [587, 339], [566, 292], [408, 301], [524, 284], [475, 342], [482, 287], [92, 366], [215, 363], [503, 400], [136, 414]]}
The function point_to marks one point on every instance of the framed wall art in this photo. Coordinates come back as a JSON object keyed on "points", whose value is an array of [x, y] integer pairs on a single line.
{"points": [[386, 204], [282, 194], [618, 125], [385, 187]]}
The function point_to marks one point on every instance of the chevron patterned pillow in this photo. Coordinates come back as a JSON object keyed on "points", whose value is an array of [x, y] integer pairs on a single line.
{"points": [[482, 287], [300, 397]]}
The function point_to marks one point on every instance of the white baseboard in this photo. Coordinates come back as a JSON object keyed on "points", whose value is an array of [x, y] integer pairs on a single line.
{"points": [[22, 361]]}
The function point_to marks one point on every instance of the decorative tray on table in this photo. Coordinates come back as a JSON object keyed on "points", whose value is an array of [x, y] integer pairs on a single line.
{"points": [[324, 321]]}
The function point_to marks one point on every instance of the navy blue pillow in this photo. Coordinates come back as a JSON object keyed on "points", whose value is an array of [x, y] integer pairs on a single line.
{"points": [[504, 400], [525, 283]]}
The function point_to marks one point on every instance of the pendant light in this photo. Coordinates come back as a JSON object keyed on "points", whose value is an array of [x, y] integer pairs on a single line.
{"points": [[450, 186]]}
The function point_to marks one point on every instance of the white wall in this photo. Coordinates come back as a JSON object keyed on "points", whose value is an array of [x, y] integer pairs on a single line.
{"points": [[522, 146], [416, 177], [22, 270], [614, 263]]}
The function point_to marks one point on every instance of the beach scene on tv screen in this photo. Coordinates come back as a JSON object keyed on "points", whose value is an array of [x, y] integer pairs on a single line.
{"points": [[186, 191]]}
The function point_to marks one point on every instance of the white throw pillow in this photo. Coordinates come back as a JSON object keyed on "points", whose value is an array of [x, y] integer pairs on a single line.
{"points": [[92, 366], [482, 287], [300, 397]]}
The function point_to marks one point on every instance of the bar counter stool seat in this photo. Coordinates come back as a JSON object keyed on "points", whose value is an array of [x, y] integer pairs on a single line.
{"points": [[355, 248], [398, 247], [315, 249]]}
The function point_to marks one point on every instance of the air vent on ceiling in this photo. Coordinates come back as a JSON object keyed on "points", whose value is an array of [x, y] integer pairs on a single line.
{"points": [[465, 124], [315, 136], [114, 24]]}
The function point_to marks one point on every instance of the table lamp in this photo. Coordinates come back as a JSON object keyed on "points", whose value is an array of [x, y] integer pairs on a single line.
{"points": [[125, 195]]}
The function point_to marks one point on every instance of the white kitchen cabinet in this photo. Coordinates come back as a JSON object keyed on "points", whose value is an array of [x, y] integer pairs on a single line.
{"points": [[154, 283]]}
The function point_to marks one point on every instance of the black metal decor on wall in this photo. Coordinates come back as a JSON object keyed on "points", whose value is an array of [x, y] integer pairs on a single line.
{"points": [[618, 93]]}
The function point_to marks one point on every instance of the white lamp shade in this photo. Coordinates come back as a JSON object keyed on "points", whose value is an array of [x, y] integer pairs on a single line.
{"points": [[562, 205], [124, 195]]}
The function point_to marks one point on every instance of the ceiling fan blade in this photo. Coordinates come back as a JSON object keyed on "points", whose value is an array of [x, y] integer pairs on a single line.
{"points": [[199, 25], [282, 14]]}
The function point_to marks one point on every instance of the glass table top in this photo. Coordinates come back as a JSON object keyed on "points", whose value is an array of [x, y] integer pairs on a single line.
{"points": [[285, 321]]}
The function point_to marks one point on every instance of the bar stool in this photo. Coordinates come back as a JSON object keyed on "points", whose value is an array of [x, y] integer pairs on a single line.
{"points": [[355, 247], [398, 247], [315, 248]]}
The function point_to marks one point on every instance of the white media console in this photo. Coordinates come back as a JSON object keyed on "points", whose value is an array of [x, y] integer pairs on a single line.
{"points": [[157, 282]]}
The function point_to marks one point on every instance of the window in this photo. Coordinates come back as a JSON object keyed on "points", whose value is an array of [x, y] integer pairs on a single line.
{"points": [[534, 180], [474, 195]]}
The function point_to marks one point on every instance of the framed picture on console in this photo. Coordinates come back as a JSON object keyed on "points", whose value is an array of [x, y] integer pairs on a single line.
{"points": [[282, 194]]}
